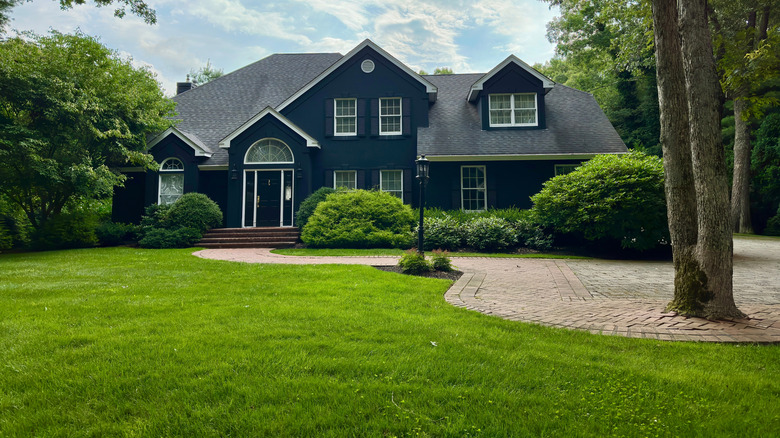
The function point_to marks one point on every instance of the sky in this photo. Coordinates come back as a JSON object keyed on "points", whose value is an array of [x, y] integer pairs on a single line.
{"points": [[469, 36]]}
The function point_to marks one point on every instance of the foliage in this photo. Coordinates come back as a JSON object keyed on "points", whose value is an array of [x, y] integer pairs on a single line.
{"points": [[611, 197], [490, 234], [359, 219], [115, 233], [440, 261], [155, 216], [137, 7], [773, 225], [310, 204], [442, 71], [442, 233], [6, 239], [157, 238], [98, 112], [205, 74], [193, 210], [12, 221], [414, 263], [766, 170], [532, 235], [75, 229]]}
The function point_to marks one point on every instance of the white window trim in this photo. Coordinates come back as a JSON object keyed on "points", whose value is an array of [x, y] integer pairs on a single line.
{"points": [[512, 110], [484, 189], [161, 172], [246, 154], [381, 177], [354, 177], [336, 118], [400, 116], [563, 166]]}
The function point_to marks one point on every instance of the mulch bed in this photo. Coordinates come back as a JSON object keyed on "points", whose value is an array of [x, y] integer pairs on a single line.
{"points": [[452, 275]]}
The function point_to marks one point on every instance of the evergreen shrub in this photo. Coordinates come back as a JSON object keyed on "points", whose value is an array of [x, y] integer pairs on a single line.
{"points": [[440, 261], [359, 219], [310, 204], [194, 210], [490, 234], [115, 233], [414, 263], [75, 229], [183, 237], [442, 232]]}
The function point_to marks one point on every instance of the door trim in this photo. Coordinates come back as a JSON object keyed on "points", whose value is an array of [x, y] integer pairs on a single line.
{"points": [[281, 197]]}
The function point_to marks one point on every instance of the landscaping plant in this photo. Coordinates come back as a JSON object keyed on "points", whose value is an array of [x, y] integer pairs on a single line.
{"points": [[490, 234], [414, 263], [180, 224], [310, 204], [440, 261]]}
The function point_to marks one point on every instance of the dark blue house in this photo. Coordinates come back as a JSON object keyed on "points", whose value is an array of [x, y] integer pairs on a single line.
{"points": [[261, 139]]}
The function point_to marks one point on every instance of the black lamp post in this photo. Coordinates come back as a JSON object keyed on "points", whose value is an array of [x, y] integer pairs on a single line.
{"points": [[422, 175]]}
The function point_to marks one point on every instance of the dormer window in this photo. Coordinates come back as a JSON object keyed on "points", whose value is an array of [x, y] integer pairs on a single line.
{"points": [[513, 110]]}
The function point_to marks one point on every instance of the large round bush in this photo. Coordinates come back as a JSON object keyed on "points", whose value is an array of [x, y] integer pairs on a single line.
{"points": [[618, 198], [442, 233], [194, 210], [359, 219], [310, 204]]}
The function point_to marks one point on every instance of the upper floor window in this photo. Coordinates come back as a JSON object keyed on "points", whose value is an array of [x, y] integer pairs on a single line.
{"points": [[345, 179], [392, 181], [268, 150], [390, 116], [345, 120], [513, 109], [171, 181]]}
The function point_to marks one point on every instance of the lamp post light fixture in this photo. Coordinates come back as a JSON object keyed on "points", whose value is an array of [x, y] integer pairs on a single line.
{"points": [[423, 165]]}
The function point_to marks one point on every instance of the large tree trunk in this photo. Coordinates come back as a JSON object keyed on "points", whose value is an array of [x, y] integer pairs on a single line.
{"points": [[714, 249], [678, 169], [740, 188]]}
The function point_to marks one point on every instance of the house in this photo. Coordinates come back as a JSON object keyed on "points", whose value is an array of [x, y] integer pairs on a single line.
{"points": [[261, 139]]}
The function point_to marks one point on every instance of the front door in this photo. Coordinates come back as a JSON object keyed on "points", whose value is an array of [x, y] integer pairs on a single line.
{"points": [[268, 198]]}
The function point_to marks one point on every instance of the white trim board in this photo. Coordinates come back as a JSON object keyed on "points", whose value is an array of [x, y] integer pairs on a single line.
{"points": [[477, 87], [310, 141]]}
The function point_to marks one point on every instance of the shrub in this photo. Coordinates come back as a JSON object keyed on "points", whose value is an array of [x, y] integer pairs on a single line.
{"points": [[773, 225], [310, 204], [442, 233], [359, 219], [193, 210], [114, 233], [440, 261], [164, 238], [414, 263], [532, 235], [6, 240], [490, 234], [609, 198], [74, 229]]}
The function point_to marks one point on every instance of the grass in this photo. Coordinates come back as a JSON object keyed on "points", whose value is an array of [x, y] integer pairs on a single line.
{"points": [[133, 342], [340, 252]]}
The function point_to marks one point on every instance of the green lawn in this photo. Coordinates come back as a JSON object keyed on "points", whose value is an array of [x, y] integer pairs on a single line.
{"points": [[131, 342], [339, 252]]}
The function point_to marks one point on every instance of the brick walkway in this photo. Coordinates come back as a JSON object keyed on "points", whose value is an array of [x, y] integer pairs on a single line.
{"points": [[624, 298]]}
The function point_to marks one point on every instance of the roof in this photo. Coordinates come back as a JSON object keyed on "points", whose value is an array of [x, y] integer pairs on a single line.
{"points": [[214, 110], [576, 127], [511, 59], [268, 111]]}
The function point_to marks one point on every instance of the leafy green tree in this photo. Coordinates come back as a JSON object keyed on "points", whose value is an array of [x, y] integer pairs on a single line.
{"points": [[71, 110], [442, 71], [205, 74], [137, 7]]}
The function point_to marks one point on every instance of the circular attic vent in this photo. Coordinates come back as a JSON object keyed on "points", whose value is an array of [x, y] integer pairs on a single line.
{"points": [[367, 66]]}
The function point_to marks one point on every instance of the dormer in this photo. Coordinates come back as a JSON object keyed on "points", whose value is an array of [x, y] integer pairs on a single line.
{"points": [[511, 96]]}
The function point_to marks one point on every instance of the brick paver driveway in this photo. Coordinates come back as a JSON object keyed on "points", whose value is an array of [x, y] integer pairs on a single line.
{"points": [[625, 298]]}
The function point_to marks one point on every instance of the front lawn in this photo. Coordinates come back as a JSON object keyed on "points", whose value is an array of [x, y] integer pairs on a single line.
{"points": [[346, 252], [134, 342]]}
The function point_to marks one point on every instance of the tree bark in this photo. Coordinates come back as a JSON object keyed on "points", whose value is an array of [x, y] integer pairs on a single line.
{"points": [[740, 187], [714, 248], [678, 168]]}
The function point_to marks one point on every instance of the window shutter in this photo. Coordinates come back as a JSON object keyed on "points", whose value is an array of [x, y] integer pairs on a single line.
{"points": [[329, 119], [361, 117], [491, 192], [455, 184], [361, 179], [375, 182], [408, 182], [328, 179], [406, 119], [374, 116]]}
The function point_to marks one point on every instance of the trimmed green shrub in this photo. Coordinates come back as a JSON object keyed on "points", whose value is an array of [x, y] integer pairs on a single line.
{"points": [[164, 238], [155, 216], [414, 263], [532, 235], [442, 232], [193, 210], [74, 229], [490, 234], [440, 261], [611, 198], [310, 204], [115, 233], [359, 219]]}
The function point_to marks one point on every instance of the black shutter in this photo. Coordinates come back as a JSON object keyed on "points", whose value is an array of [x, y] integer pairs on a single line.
{"points": [[407, 186], [328, 179], [361, 179], [491, 193], [374, 116], [329, 118], [406, 111], [455, 184], [375, 179], [361, 117]]}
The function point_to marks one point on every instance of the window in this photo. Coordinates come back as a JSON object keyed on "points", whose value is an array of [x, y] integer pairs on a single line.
{"points": [[171, 181], [345, 116], [513, 109], [563, 169], [391, 181], [473, 188], [390, 116], [268, 150], [345, 178]]}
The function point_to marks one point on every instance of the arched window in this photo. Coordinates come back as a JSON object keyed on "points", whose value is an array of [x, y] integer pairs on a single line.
{"points": [[171, 185], [268, 150]]}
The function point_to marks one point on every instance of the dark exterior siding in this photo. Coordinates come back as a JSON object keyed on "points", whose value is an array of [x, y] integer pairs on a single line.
{"points": [[214, 184]]}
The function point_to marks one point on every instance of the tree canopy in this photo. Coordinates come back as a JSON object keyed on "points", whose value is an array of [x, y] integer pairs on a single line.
{"points": [[137, 7], [70, 111], [205, 74]]}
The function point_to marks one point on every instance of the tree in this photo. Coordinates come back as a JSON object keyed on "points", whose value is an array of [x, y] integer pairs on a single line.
{"points": [[70, 110], [697, 184], [137, 7], [205, 74], [442, 71]]}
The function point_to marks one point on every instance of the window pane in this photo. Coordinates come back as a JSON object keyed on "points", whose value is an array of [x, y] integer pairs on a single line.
{"points": [[525, 101], [523, 116], [500, 117], [473, 183], [345, 125], [269, 151], [344, 178], [390, 115], [500, 101], [172, 164], [171, 187], [345, 107], [392, 182], [390, 107]]}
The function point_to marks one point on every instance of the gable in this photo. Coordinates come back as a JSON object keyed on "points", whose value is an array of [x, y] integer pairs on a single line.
{"points": [[516, 68], [269, 112], [188, 139]]}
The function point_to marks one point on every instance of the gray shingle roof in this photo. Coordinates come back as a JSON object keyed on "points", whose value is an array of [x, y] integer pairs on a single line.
{"points": [[212, 111], [575, 125]]}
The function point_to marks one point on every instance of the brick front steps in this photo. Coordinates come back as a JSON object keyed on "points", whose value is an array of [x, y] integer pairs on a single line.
{"points": [[261, 237]]}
